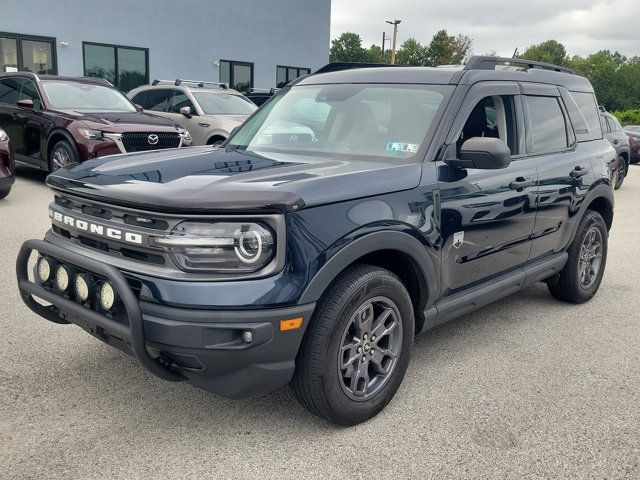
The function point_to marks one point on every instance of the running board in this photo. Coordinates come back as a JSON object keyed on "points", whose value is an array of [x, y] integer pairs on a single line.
{"points": [[467, 301]]}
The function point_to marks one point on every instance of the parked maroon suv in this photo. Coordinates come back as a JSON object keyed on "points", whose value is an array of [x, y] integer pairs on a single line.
{"points": [[55, 121], [633, 132], [7, 167]]}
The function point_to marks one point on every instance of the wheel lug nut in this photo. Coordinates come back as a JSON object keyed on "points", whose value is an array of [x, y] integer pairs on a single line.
{"points": [[364, 359], [373, 338], [359, 349]]}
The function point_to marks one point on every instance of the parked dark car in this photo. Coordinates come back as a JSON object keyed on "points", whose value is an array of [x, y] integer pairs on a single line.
{"points": [[260, 95], [55, 121], [633, 133], [7, 165], [615, 134], [354, 210]]}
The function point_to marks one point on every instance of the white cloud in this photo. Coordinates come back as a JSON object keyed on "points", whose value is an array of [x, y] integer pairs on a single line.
{"points": [[583, 26]]}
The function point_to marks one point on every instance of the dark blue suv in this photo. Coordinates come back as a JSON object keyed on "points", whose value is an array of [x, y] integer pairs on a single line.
{"points": [[355, 209]]}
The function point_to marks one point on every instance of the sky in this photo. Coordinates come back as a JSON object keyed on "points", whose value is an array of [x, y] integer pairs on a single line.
{"points": [[583, 26]]}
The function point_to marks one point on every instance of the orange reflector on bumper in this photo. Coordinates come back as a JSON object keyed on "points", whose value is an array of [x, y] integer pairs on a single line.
{"points": [[290, 324]]}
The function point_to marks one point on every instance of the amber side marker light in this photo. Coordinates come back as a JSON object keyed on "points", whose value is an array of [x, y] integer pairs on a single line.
{"points": [[290, 324]]}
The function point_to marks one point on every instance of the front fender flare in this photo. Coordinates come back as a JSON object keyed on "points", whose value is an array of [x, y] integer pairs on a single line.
{"points": [[369, 243]]}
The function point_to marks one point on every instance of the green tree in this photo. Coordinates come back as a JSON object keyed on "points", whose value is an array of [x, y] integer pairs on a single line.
{"points": [[348, 48], [411, 52], [446, 49], [374, 55], [550, 51], [611, 76]]}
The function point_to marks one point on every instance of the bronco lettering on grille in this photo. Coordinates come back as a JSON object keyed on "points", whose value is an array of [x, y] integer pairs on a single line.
{"points": [[93, 228]]}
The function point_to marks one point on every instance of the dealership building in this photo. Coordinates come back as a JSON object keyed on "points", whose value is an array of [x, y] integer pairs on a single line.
{"points": [[244, 43]]}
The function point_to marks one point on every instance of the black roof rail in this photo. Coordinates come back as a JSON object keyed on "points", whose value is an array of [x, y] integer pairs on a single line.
{"points": [[338, 66], [489, 63]]}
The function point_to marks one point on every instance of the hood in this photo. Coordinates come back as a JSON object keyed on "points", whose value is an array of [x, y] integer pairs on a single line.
{"points": [[118, 122], [211, 179]]}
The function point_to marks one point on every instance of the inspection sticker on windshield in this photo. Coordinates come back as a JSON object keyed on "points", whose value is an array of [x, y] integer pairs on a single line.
{"points": [[402, 147]]}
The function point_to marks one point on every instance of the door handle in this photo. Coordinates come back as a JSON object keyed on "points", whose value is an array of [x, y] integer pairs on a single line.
{"points": [[578, 172], [615, 142], [520, 183]]}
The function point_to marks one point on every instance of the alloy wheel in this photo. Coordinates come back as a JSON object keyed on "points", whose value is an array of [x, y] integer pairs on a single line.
{"points": [[590, 257], [370, 348], [60, 158]]}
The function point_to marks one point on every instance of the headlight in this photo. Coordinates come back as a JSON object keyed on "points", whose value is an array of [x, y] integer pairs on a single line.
{"points": [[90, 134], [219, 247], [184, 134], [3, 136]]}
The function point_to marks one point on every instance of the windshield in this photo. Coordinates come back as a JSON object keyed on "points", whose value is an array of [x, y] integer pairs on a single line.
{"points": [[352, 120], [87, 97], [224, 104]]}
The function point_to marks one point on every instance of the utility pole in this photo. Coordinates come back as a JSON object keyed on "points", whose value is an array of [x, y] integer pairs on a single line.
{"points": [[395, 34], [384, 39]]}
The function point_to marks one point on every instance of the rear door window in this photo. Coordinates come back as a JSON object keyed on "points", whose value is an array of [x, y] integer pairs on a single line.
{"points": [[547, 125], [158, 100]]}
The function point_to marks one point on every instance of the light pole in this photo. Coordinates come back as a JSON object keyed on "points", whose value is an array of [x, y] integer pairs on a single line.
{"points": [[393, 45]]}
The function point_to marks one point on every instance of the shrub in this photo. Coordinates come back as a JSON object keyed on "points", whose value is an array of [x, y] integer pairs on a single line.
{"points": [[628, 117]]}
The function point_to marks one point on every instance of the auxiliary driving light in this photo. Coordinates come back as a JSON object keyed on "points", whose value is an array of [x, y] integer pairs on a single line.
{"points": [[83, 287], [44, 269], [107, 296], [62, 278]]}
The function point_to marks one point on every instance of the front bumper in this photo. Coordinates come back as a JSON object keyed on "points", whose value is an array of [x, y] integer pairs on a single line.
{"points": [[203, 347]]}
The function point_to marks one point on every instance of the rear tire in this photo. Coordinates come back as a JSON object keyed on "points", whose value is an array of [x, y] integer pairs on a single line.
{"points": [[62, 155], [364, 325], [581, 276], [621, 172], [4, 192]]}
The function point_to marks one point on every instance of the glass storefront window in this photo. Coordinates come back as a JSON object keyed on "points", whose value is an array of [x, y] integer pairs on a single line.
{"points": [[238, 75], [125, 67], [27, 54], [285, 75], [37, 57], [8, 54]]}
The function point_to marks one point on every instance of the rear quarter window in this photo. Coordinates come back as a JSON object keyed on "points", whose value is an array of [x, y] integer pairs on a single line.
{"points": [[589, 108]]}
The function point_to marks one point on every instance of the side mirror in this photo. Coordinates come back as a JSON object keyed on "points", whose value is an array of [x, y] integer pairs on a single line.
{"points": [[186, 111], [482, 152], [25, 103]]}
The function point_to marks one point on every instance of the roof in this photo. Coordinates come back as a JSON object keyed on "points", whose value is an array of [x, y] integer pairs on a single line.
{"points": [[478, 69], [33, 76]]}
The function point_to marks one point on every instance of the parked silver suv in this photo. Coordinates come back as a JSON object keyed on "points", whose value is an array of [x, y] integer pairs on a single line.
{"points": [[208, 110]]}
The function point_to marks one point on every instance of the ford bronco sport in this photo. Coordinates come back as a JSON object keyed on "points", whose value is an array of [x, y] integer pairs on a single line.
{"points": [[355, 209]]}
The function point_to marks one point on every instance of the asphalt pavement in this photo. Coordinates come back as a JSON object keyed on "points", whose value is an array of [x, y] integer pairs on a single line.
{"points": [[525, 388]]}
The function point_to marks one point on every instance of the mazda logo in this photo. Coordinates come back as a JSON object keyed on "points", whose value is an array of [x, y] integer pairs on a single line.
{"points": [[293, 138], [152, 139]]}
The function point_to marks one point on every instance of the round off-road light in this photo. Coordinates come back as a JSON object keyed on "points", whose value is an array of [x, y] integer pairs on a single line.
{"points": [[107, 296], [44, 269], [63, 276], [83, 287]]}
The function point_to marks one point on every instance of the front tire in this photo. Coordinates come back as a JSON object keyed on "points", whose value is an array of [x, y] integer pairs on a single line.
{"points": [[356, 351], [4, 192], [581, 276], [62, 155]]}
